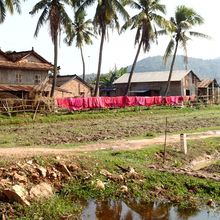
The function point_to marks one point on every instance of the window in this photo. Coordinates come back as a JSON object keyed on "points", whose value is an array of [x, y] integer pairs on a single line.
{"points": [[18, 78], [37, 79]]}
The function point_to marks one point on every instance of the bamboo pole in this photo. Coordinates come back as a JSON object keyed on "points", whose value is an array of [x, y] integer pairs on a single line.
{"points": [[165, 142], [36, 110]]}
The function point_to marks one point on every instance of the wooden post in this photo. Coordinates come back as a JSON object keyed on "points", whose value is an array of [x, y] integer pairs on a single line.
{"points": [[36, 110], [165, 142], [183, 143], [7, 108], [213, 92]]}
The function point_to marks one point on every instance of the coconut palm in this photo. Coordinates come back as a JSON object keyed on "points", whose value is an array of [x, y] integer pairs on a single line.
{"points": [[9, 5], [185, 19], [106, 16], [82, 32], [145, 21], [53, 12]]}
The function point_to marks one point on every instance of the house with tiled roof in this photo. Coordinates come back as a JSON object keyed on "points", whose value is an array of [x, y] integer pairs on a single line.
{"points": [[21, 71], [76, 86]]}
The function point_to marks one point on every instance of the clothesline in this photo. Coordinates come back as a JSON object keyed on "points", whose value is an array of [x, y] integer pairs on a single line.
{"points": [[73, 104]]}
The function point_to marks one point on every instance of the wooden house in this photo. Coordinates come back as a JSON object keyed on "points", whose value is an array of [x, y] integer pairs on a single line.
{"points": [[73, 85], [21, 71], [208, 91], [183, 83]]}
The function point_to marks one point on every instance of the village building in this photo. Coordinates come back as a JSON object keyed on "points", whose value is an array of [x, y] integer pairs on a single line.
{"points": [[208, 90], [183, 83], [26, 74], [21, 71], [74, 85]]}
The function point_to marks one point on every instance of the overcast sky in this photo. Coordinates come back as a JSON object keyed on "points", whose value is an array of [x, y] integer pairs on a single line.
{"points": [[16, 33]]}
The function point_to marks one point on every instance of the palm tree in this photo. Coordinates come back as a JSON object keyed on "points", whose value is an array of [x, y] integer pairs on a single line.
{"points": [[53, 11], [106, 16], [82, 31], [9, 5], [145, 22], [185, 18]]}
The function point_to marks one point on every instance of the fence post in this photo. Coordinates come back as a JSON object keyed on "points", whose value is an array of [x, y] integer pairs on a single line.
{"points": [[183, 143]]}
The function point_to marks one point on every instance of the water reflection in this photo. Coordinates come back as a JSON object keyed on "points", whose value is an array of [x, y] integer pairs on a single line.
{"points": [[119, 210]]}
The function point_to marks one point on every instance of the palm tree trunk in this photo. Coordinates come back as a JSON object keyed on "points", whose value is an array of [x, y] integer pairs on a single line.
{"points": [[132, 69], [171, 69], [100, 63], [83, 62], [55, 66]]}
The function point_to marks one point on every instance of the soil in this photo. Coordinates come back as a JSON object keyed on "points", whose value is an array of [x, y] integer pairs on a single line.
{"points": [[93, 130], [123, 144]]}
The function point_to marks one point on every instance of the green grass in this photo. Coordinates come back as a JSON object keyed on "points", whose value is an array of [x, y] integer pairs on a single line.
{"points": [[52, 209], [177, 188], [105, 113]]}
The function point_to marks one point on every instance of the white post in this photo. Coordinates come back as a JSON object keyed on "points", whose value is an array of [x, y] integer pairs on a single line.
{"points": [[183, 143]]}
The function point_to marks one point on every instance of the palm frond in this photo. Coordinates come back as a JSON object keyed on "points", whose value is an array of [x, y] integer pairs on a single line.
{"points": [[84, 5], [42, 19], [17, 5], [135, 5], [197, 34], [9, 5], [65, 20], [162, 32], [168, 51], [121, 10], [156, 6], [2, 12], [39, 6], [137, 36]]}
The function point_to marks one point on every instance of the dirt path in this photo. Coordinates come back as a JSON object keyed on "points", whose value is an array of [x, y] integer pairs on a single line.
{"points": [[23, 152]]}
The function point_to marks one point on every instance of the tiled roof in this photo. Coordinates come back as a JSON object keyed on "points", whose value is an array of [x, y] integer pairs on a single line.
{"points": [[25, 65], [17, 56], [16, 60], [62, 79], [153, 76]]}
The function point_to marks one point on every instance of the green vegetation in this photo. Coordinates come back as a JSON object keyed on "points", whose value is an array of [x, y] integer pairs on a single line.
{"points": [[56, 208], [149, 185], [72, 129]]}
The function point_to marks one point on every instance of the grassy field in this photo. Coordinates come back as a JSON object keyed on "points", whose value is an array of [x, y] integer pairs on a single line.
{"points": [[147, 184], [84, 127]]}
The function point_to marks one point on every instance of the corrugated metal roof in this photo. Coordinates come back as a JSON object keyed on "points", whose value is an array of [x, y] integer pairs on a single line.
{"points": [[205, 83], [153, 76]]}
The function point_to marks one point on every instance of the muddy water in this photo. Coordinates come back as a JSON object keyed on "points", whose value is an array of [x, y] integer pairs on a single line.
{"points": [[118, 210]]}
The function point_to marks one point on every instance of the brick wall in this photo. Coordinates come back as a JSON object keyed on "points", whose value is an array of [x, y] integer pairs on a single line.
{"points": [[77, 89]]}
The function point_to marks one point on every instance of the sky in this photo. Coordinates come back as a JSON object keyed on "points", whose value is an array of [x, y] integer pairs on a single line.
{"points": [[17, 34]]}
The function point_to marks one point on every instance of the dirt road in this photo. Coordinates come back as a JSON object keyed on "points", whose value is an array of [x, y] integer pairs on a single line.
{"points": [[123, 144]]}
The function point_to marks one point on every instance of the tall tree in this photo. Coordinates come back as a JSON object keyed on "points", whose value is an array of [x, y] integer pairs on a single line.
{"points": [[53, 12], [145, 21], [107, 80], [81, 31], [185, 19], [106, 16]]}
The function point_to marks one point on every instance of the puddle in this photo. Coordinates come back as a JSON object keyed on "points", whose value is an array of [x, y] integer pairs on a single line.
{"points": [[119, 210]]}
